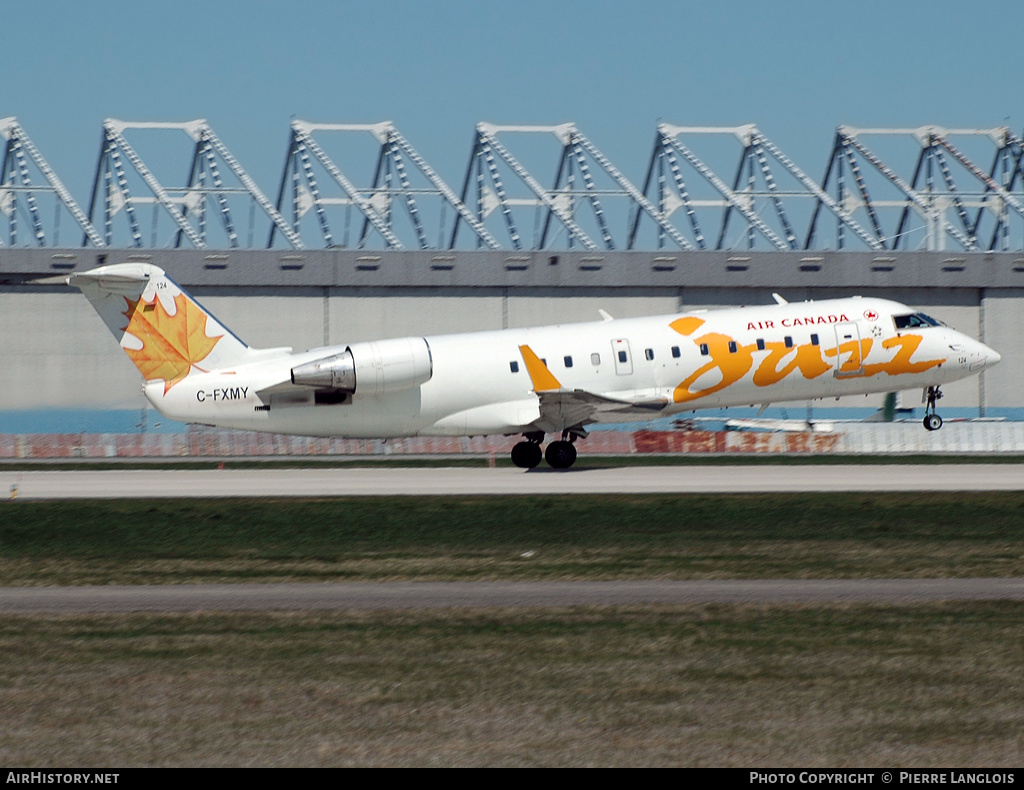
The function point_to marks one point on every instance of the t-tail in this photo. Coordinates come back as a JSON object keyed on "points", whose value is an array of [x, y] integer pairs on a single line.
{"points": [[163, 330]]}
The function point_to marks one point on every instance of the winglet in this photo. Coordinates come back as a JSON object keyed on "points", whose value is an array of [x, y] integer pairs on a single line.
{"points": [[542, 378]]}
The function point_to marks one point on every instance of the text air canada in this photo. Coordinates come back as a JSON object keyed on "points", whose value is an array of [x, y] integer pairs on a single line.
{"points": [[810, 320]]}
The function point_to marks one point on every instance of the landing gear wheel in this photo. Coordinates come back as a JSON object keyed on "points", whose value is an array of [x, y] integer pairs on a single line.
{"points": [[526, 455], [932, 421], [560, 454]]}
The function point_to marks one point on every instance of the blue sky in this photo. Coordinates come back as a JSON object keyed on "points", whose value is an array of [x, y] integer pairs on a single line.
{"points": [[796, 69]]}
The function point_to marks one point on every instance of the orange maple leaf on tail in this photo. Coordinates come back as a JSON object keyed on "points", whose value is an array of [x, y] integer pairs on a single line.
{"points": [[171, 344]]}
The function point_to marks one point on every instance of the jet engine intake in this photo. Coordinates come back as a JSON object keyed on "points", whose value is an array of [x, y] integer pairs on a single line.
{"points": [[371, 368]]}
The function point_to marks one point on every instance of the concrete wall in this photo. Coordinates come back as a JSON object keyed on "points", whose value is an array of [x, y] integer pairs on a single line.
{"points": [[56, 352], [1004, 330]]}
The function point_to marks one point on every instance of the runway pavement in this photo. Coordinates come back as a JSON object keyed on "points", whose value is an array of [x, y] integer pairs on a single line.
{"points": [[395, 481], [438, 595]]}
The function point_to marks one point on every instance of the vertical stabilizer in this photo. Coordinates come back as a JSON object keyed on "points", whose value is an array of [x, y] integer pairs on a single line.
{"points": [[163, 330]]}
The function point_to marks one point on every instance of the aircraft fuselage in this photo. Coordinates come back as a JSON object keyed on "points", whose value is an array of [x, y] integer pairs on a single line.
{"points": [[479, 382]]}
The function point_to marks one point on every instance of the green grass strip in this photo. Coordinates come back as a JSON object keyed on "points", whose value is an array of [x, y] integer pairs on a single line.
{"points": [[514, 537]]}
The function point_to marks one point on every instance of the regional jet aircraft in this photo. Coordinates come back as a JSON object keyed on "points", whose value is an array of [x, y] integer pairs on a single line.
{"points": [[536, 381]]}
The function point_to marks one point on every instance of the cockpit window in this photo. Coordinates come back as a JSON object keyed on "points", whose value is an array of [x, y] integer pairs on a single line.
{"points": [[914, 321]]}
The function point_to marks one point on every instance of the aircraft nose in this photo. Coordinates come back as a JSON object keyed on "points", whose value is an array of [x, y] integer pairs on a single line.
{"points": [[978, 355], [985, 357]]}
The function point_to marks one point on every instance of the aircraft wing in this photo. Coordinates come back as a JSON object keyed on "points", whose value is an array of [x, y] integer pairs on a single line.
{"points": [[562, 408]]}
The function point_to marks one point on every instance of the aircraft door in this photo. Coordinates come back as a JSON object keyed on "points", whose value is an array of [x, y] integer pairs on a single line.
{"points": [[849, 357], [622, 357]]}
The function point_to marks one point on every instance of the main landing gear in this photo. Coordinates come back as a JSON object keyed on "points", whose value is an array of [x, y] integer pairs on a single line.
{"points": [[527, 455], [932, 421], [560, 454]]}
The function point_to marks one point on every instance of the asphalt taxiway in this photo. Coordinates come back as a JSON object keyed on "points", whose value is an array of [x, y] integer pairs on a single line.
{"points": [[438, 595], [460, 481]]}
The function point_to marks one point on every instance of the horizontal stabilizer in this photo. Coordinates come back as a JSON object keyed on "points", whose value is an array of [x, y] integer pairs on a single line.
{"points": [[109, 276]]}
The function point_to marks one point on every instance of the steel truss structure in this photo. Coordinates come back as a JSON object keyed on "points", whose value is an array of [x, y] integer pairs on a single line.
{"points": [[982, 210], [392, 181], [186, 205], [18, 193], [755, 188], [927, 188], [575, 187]]}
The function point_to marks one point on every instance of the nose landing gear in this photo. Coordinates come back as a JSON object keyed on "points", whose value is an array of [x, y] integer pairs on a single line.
{"points": [[932, 421], [560, 454]]}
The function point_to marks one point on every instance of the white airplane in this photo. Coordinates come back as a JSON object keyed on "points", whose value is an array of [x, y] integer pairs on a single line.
{"points": [[535, 381]]}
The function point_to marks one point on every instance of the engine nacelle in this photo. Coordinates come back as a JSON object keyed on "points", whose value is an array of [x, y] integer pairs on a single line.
{"points": [[371, 368], [336, 372]]}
